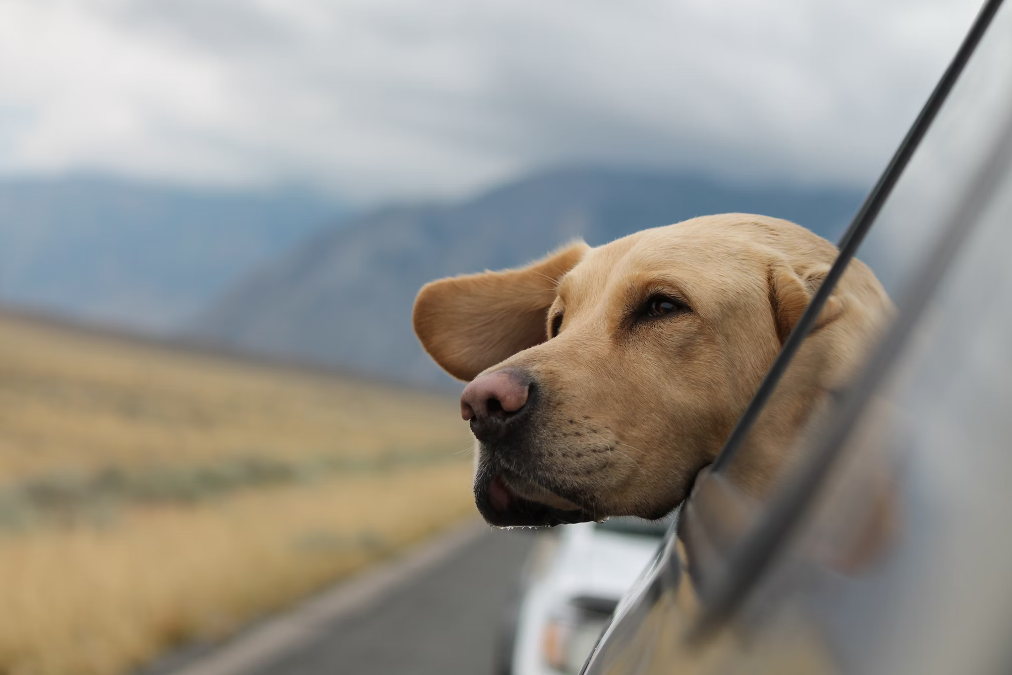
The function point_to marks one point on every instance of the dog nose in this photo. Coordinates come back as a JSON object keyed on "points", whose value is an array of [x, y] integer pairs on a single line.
{"points": [[489, 401]]}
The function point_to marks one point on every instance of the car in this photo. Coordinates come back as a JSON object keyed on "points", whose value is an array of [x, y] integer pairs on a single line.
{"points": [[885, 550], [572, 583]]}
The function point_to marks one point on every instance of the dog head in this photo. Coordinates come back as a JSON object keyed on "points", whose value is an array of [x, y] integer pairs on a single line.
{"points": [[603, 379]]}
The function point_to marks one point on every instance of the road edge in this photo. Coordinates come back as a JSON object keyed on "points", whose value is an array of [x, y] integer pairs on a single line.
{"points": [[300, 625]]}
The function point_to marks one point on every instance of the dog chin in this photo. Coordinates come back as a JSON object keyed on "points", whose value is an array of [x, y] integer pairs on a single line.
{"points": [[510, 502]]}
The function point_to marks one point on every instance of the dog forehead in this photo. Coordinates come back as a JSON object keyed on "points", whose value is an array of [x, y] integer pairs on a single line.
{"points": [[687, 245], [588, 279], [695, 250]]}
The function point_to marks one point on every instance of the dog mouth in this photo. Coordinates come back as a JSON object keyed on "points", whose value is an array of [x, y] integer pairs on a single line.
{"points": [[506, 500]]}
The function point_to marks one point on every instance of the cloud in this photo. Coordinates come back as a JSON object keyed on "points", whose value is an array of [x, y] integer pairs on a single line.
{"points": [[380, 99]]}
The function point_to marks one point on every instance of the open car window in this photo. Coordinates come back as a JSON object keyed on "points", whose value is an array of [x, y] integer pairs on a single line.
{"points": [[890, 548], [952, 188], [912, 219]]}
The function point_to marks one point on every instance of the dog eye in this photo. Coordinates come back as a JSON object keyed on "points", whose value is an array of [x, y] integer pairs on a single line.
{"points": [[556, 325], [662, 305]]}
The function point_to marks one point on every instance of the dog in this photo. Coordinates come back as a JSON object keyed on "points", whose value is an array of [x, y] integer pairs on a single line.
{"points": [[602, 380]]}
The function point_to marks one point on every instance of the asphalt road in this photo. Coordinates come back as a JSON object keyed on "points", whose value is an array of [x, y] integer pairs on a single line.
{"points": [[442, 623], [435, 612]]}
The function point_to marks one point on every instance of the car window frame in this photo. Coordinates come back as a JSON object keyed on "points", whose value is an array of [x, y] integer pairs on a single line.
{"points": [[760, 543], [758, 546], [855, 233]]}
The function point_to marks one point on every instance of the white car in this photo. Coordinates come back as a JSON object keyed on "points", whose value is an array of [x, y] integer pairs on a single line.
{"points": [[573, 581]]}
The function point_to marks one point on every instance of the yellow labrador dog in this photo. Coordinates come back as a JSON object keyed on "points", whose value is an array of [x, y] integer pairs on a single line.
{"points": [[603, 379]]}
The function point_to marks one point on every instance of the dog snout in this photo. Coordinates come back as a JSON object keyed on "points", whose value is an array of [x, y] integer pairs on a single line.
{"points": [[492, 401]]}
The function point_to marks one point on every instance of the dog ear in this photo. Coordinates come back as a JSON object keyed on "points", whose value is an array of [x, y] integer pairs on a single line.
{"points": [[471, 322], [790, 294]]}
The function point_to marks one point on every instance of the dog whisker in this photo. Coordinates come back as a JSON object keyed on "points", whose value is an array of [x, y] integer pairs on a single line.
{"points": [[466, 451], [546, 277], [626, 454]]}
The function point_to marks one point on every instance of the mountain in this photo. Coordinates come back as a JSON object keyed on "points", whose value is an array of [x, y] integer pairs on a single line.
{"points": [[141, 256], [344, 298]]}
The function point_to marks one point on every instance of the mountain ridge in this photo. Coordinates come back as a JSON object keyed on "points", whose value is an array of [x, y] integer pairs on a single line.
{"points": [[144, 256], [344, 297]]}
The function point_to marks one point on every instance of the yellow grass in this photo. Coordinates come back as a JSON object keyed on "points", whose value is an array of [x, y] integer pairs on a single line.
{"points": [[100, 596], [73, 401]]}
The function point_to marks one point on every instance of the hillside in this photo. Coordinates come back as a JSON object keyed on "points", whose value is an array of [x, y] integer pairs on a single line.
{"points": [[344, 298], [139, 255], [150, 497]]}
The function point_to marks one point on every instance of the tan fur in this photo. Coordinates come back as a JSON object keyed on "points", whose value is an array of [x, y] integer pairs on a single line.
{"points": [[633, 408], [489, 316]]}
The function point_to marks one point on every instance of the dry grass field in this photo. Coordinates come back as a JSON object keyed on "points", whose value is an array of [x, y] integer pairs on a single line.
{"points": [[150, 496]]}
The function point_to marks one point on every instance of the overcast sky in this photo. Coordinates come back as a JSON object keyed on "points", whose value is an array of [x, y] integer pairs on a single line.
{"points": [[381, 99]]}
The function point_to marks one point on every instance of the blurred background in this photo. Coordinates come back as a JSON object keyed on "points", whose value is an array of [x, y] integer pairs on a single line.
{"points": [[214, 216]]}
